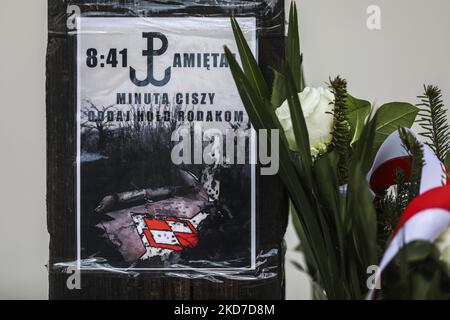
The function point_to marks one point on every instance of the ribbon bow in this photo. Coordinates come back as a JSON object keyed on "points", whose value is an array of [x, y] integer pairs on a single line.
{"points": [[428, 215]]}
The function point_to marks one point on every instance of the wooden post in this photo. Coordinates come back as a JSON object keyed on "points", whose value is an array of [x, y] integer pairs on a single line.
{"points": [[272, 205]]}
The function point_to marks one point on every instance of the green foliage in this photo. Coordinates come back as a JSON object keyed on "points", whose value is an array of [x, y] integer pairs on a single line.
{"points": [[279, 94], [341, 127], [402, 195], [337, 229], [390, 208], [416, 273], [298, 120], [434, 122], [415, 149], [358, 111], [249, 64], [392, 116], [387, 217], [393, 204], [314, 190], [294, 57]]}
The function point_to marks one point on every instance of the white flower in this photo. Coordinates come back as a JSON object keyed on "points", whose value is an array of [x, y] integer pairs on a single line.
{"points": [[317, 105], [443, 244]]}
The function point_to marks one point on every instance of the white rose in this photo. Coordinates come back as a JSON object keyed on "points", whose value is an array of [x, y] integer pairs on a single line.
{"points": [[443, 244], [317, 106]]}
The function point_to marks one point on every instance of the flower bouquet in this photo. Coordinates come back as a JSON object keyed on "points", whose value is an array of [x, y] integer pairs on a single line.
{"points": [[371, 201]]}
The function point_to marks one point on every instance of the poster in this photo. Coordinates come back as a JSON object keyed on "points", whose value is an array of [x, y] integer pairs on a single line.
{"points": [[145, 86]]}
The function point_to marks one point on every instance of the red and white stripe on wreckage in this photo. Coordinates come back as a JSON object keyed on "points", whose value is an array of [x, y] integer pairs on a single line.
{"points": [[163, 235], [428, 215]]}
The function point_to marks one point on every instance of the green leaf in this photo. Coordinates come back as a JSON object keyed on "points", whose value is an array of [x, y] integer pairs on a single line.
{"points": [[293, 54], [316, 233], [358, 111], [262, 117], [325, 170], [304, 245], [423, 287], [417, 251], [298, 119], [279, 90], [361, 216], [391, 117], [296, 174], [365, 146], [250, 99], [249, 63]]}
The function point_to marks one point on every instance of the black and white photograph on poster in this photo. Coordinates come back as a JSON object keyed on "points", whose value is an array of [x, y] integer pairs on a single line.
{"points": [[141, 83]]}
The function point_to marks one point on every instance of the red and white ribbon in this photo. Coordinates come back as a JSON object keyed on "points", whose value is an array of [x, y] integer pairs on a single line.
{"points": [[428, 215]]}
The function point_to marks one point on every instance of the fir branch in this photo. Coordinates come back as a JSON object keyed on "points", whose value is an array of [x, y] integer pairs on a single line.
{"points": [[392, 205], [341, 127], [387, 218], [415, 149], [390, 208], [434, 122], [402, 194]]}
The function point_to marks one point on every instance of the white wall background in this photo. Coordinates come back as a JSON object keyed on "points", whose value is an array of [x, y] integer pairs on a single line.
{"points": [[23, 233], [412, 48]]}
